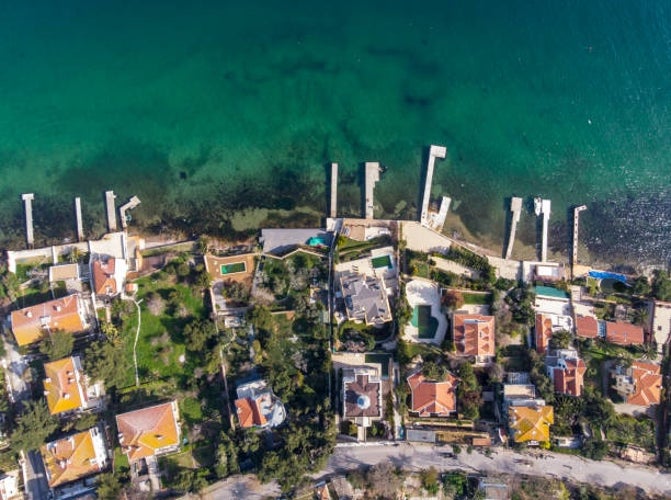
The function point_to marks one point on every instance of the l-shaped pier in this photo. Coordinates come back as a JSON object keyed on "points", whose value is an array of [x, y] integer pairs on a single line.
{"points": [[545, 213]]}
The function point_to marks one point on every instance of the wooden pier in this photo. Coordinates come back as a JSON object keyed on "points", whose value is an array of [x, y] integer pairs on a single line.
{"points": [[334, 190], [111, 211], [545, 213], [575, 239], [132, 203], [78, 217], [372, 174], [516, 209], [434, 152], [28, 209]]}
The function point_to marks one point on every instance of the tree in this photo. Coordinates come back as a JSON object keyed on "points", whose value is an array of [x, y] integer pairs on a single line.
{"points": [[106, 362], [560, 340], [468, 392], [384, 480], [453, 300], [109, 485], [641, 286], [429, 478], [661, 285], [33, 427], [198, 333], [111, 332], [58, 345], [155, 304]]}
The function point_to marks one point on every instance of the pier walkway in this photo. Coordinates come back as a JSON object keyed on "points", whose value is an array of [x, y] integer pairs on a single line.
{"points": [[434, 152], [516, 209], [545, 213], [334, 190], [111, 211], [28, 207], [372, 176], [574, 246], [78, 217]]}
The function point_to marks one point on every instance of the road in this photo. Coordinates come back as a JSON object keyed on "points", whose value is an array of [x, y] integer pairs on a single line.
{"points": [[571, 467], [14, 365], [35, 477], [420, 456]]}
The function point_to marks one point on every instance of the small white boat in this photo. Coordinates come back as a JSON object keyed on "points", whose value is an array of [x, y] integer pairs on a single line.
{"points": [[538, 205]]}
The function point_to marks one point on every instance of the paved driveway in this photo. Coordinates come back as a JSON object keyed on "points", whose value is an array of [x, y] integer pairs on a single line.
{"points": [[36, 478]]}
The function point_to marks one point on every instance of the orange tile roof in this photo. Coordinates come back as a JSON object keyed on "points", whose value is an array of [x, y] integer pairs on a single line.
{"points": [[474, 334], [249, 413], [621, 333], [530, 423], [64, 386], [31, 324], [104, 282], [570, 380], [146, 432], [587, 327], [71, 458], [543, 332], [431, 398], [647, 382]]}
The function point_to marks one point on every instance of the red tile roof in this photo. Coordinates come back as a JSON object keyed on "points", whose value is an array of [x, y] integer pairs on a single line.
{"points": [[624, 333], [104, 282], [249, 413], [362, 397], [31, 324], [148, 431], [647, 382], [474, 334], [543, 332], [570, 380], [430, 398], [587, 327]]}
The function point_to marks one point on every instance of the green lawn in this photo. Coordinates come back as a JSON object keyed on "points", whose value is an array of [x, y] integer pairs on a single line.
{"points": [[160, 343], [477, 298]]}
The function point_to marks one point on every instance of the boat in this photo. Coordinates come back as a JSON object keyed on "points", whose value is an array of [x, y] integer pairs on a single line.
{"points": [[538, 205]]}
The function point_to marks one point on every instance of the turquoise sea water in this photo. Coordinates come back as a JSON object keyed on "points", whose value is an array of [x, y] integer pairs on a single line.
{"points": [[206, 107]]}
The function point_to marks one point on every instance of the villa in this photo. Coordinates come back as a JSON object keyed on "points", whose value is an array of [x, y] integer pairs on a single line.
{"points": [[365, 298], [362, 396], [530, 424], [474, 336], [108, 275], [32, 324], [625, 334], [149, 432], [640, 384], [66, 387], [433, 398], [257, 406], [567, 371], [587, 327], [74, 457]]}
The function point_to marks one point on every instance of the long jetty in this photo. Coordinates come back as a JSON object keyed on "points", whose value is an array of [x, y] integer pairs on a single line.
{"points": [[434, 152], [372, 175], [28, 209], [78, 217], [516, 209], [545, 213], [575, 239], [111, 211], [334, 190]]}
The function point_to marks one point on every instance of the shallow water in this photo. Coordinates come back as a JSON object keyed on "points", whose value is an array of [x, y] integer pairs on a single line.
{"points": [[207, 108]]}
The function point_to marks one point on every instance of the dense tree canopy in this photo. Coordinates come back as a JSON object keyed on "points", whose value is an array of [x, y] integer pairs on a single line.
{"points": [[34, 425]]}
